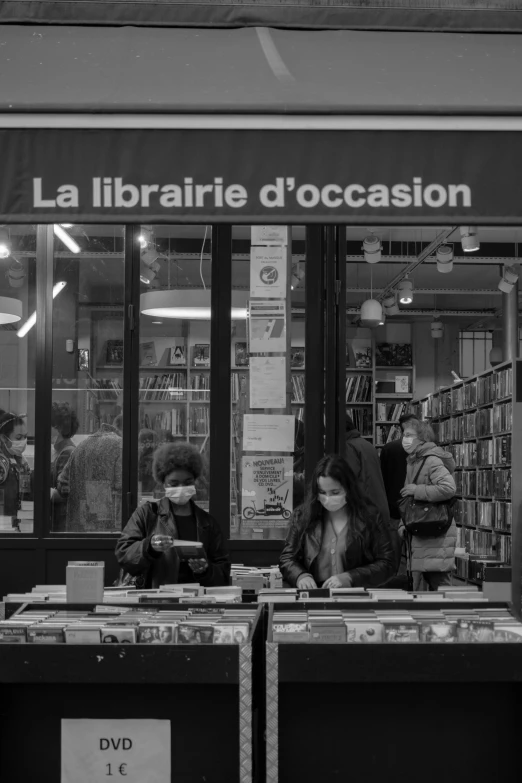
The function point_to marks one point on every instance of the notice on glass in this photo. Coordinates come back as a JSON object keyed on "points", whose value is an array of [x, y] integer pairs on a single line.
{"points": [[268, 272], [267, 382], [267, 325], [130, 750], [269, 235], [267, 494], [268, 432]]}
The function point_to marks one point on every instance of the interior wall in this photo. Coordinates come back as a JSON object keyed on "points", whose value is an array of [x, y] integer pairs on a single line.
{"points": [[434, 359]]}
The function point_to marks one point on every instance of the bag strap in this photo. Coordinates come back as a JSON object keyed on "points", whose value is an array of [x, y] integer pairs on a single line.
{"points": [[419, 470]]}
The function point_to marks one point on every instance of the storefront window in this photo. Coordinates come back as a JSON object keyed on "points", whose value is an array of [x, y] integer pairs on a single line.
{"points": [[87, 399], [267, 378], [175, 355], [17, 377]]}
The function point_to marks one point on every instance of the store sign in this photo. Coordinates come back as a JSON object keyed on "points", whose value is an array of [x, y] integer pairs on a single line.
{"points": [[250, 175], [130, 751]]}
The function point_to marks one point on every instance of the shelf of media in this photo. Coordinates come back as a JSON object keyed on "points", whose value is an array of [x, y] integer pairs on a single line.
{"points": [[393, 367], [393, 396]]}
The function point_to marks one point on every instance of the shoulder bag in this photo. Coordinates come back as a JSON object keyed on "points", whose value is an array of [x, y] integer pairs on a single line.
{"points": [[424, 519]]}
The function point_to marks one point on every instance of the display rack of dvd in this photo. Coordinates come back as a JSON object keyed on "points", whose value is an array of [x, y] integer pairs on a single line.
{"points": [[473, 420]]}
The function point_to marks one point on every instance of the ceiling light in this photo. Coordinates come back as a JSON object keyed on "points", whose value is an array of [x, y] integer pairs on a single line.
{"points": [[509, 278], [5, 244], [437, 329], [157, 322], [189, 303], [16, 274], [67, 239], [444, 258], [32, 318], [469, 239], [405, 289], [67, 225], [145, 237], [390, 305], [372, 249], [495, 356], [371, 313], [297, 275], [10, 310]]}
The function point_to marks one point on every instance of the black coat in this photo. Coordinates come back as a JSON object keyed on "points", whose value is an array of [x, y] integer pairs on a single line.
{"points": [[370, 555], [393, 467], [363, 459], [136, 556]]}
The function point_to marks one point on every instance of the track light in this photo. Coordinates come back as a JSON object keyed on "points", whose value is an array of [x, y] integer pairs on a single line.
{"points": [[445, 258], [145, 237], [16, 274], [469, 239], [390, 305], [66, 238], [405, 289], [437, 329], [297, 275], [371, 313], [509, 278], [5, 244], [28, 325], [372, 249]]}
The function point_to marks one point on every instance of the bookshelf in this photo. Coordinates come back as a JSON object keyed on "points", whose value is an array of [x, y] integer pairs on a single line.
{"points": [[473, 419]]}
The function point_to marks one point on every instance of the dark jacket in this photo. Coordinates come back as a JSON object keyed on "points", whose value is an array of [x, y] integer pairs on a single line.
{"points": [[136, 556], [393, 469], [369, 551], [363, 459]]}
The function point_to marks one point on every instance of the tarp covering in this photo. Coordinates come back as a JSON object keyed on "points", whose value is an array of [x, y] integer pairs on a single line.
{"points": [[138, 69]]}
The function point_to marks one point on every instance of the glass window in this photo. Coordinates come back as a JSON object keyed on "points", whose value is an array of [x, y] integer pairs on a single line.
{"points": [[17, 377], [175, 355], [268, 361], [474, 352], [87, 399]]}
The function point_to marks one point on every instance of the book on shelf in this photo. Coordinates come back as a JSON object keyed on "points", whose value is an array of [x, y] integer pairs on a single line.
{"points": [[363, 420], [241, 354], [393, 355], [178, 354], [297, 357], [387, 434], [402, 384], [201, 355], [164, 387], [199, 420], [298, 388], [359, 352], [148, 356], [200, 388], [359, 388], [114, 352], [391, 411]]}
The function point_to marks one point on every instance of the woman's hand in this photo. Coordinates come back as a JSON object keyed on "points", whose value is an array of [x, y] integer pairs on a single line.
{"points": [[161, 543], [198, 566], [334, 582], [306, 582], [409, 489]]}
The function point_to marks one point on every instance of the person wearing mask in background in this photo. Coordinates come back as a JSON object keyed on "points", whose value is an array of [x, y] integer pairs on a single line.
{"points": [[432, 468], [363, 459], [91, 481], [393, 469], [335, 539], [15, 474], [145, 545], [64, 425]]}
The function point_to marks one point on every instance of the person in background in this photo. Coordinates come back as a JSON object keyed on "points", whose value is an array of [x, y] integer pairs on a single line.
{"points": [[432, 559], [147, 442], [393, 469], [298, 467], [363, 459], [91, 481], [64, 425], [145, 545], [15, 474], [335, 539]]}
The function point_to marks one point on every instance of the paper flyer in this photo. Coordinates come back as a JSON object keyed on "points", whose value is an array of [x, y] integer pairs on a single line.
{"points": [[267, 325], [269, 235], [268, 432], [267, 382], [267, 490], [268, 272]]}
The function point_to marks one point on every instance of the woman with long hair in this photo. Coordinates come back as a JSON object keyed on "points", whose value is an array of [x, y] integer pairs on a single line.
{"points": [[14, 470], [335, 539]]}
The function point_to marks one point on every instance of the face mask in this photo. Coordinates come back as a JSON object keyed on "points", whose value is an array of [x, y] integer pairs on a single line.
{"points": [[409, 444], [180, 495], [332, 502], [17, 446]]}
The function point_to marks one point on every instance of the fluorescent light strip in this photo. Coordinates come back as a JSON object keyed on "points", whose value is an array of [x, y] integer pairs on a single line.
{"points": [[32, 318], [67, 239]]}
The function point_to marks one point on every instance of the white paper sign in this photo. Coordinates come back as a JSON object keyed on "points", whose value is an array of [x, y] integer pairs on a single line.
{"points": [[269, 235], [268, 432], [267, 325], [131, 751], [268, 272], [267, 490], [267, 382]]}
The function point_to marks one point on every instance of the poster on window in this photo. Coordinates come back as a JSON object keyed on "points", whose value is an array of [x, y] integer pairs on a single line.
{"points": [[267, 325], [268, 272], [267, 382], [267, 496]]}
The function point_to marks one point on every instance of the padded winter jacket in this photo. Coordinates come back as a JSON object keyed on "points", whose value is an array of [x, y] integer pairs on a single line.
{"points": [[369, 551], [435, 483]]}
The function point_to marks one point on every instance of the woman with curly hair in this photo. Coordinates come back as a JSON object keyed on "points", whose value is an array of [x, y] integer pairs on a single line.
{"points": [[145, 546], [64, 425], [335, 539], [14, 469]]}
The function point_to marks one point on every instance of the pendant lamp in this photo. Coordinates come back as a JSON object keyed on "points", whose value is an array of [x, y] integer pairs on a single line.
{"points": [[10, 310], [188, 303], [371, 313]]}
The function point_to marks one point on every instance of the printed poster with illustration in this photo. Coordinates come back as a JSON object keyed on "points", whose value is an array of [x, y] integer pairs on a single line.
{"points": [[267, 491], [268, 272]]}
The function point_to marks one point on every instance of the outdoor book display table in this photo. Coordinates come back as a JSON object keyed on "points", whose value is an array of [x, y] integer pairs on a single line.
{"points": [[408, 712], [206, 691]]}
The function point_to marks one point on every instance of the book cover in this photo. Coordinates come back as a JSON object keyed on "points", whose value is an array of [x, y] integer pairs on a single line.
{"points": [[297, 357], [189, 550], [118, 635], [364, 633], [114, 352], [359, 352], [157, 633], [14, 634], [401, 633], [178, 355], [148, 355], [195, 634], [241, 355], [201, 355], [438, 632]]}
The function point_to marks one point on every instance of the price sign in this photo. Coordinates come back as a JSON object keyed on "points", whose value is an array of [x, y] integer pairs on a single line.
{"points": [[115, 751]]}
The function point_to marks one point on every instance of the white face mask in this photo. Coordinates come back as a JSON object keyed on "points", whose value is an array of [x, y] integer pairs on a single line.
{"points": [[17, 446], [409, 444], [180, 495], [332, 502]]}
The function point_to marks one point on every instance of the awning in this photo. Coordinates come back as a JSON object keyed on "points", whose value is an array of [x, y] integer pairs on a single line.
{"points": [[256, 70]]}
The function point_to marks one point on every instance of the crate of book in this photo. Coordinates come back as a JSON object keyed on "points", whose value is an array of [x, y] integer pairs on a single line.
{"points": [[165, 654]]}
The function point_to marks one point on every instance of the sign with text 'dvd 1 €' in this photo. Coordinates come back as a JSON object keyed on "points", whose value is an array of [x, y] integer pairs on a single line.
{"points": [[106, 751]]}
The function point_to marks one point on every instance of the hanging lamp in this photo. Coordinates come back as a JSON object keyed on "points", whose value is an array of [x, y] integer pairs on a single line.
{"points": [[10, 310], [188, 303]]}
